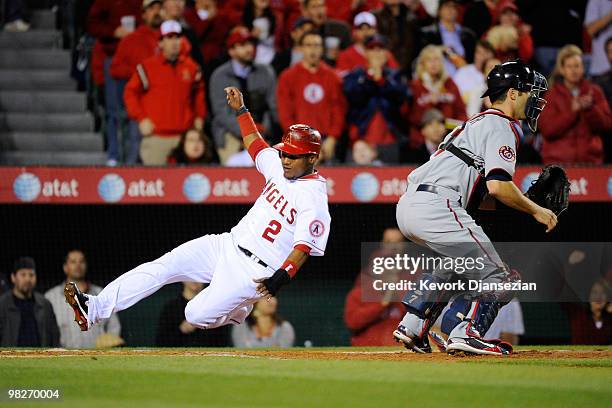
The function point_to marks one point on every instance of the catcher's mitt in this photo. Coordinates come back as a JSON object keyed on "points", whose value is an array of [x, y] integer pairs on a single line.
{"points": [[551, 189]]}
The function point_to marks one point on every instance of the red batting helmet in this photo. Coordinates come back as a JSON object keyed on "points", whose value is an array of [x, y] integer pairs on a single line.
{"points": [[300, 139]]}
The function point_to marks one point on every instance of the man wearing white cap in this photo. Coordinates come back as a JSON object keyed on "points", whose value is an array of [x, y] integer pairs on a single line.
{"points": [[364, 26], [166, 96]]}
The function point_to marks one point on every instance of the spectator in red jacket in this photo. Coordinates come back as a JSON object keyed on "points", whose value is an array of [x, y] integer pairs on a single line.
{"points": [[371, 322], [109, 21], [131, 51], [364, 27], [433, 88], [139, 45], [311, 92], [166, 96], [211, 25], [576, 114]]}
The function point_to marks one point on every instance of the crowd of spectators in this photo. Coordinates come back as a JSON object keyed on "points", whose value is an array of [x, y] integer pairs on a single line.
{"points": [[364, 73], [29, 319]]}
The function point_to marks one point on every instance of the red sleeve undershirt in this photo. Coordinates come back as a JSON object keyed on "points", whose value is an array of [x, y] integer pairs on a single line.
{"points": [[257, 146]]}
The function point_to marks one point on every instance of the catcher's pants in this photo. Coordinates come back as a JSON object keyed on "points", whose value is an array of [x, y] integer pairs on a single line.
{"points": [[213, 259], [438, 221]]}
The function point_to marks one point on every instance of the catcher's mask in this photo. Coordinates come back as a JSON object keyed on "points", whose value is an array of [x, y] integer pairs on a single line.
{"points": [[517, 75], [535, 104]]}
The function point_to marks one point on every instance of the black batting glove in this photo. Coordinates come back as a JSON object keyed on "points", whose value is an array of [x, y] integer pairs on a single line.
{"points": [[273, 283]]}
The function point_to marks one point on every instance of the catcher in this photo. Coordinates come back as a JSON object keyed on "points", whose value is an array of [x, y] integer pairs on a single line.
{"points": [[476, 158]]}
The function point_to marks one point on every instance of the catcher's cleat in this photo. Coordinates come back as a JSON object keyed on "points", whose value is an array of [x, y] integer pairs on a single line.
{"points": [[78, 301], [475, 345], [438, 341], [415, 344]]}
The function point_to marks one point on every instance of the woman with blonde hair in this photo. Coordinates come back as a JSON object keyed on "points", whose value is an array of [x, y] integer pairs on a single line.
{"points": [[576, 114], [432, 88]]}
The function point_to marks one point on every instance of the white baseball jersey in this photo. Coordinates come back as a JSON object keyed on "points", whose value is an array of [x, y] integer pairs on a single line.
{"points": [[490, 138], [286, 214]]}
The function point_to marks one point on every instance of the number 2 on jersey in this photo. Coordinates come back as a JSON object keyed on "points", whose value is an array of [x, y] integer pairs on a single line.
{"points": [[272, 231]]}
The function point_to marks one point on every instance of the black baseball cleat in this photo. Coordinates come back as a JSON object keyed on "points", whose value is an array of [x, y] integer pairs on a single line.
{"points": [[478, 346], [415, 344], [78, 301]]}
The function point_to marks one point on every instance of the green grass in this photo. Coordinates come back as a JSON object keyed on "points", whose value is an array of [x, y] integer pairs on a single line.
{"points": [[204, 381]]}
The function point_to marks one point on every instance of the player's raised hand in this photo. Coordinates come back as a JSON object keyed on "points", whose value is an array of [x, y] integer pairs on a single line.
{"points": [[234, 97]]}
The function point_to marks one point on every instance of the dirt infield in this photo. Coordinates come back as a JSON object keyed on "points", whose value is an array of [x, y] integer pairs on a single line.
{"points": [[310, 354]]}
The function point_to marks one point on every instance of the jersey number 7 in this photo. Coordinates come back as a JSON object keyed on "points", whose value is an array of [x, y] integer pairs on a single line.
{"points": [[272, 231]]}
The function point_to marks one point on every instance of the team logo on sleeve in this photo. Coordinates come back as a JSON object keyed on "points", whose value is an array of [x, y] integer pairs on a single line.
{"points": [[507, 153], [316, 228]]}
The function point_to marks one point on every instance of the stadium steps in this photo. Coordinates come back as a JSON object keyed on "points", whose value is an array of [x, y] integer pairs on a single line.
{"points": [[33, 141], [40, 158], [43, 119], [46, 101], [39, 79], [40, 39], [46, 122], [15, 58]]}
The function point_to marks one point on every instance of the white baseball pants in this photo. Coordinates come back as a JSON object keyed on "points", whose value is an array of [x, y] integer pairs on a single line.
{"points": [[213, 259]]}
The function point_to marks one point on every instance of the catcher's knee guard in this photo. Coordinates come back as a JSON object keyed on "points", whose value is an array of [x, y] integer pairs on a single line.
{"points": [[426, 306], [478, 311], [479, 314]]}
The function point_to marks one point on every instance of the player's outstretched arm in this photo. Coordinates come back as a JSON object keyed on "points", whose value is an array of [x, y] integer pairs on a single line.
{"points": [[248, 129], [268, 287], [508, 193]]}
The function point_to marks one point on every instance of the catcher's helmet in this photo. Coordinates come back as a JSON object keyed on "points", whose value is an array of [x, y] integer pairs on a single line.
{"points": [[517, 75], [300, 139]]}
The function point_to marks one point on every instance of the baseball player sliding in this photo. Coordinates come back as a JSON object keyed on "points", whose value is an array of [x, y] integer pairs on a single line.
{"points": [[476, 158], [288, 223]]}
